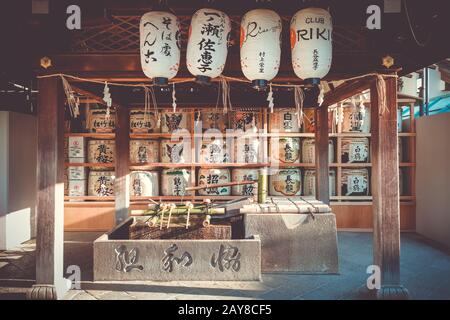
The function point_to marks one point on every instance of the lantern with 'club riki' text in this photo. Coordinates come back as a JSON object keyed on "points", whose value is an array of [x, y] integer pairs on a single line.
{"points": [[207, 44], [260, 42], [160, 46], [311, 46]]}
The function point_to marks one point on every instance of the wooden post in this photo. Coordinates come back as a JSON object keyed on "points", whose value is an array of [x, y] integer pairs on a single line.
{"points": [[321, 154], [122, 181], [50, 283], [385, 192]]}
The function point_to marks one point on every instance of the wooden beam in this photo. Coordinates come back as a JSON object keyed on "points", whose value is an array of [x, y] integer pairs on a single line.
{"points": [[321, 154], [346, 90], [90, 95], [50, 283], [385, 191], [122, 180]]}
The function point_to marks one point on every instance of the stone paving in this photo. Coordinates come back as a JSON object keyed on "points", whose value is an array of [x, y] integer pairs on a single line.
{"points": [[425, 273]]}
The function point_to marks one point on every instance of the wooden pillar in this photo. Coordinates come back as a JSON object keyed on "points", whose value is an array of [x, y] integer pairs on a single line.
{"points": [[321, 151], [122, 181], [50, 283], [385, 192]]}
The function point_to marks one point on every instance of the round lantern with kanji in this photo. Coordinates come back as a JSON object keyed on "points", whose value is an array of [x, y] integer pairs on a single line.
{"points": [[311, 44], [260, 46], [208, 44], [160, 46]]}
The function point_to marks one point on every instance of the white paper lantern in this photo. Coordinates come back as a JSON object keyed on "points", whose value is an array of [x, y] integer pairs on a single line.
{"points": [[208, 44], [260, 46], [159, 45], [311, 46]]}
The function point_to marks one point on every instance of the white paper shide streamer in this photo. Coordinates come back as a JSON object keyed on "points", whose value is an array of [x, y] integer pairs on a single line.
{"points": [[159, 46], [311, 32], [207, 47], [260, 42]]}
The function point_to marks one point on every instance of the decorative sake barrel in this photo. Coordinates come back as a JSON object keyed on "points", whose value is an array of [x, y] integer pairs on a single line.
{"points": [[355, 182], [97, 121], [309, 183], [214, 176], [308, 123], [101, 183], [247, 150], [355, 150], [284, 121], [142, 122], [174, 152], [286, 151], [288, 182], [212, 119], [101, 151], [214, 151], [174, 182], [245, 175], [356, 119], [172, 121], [246, 120], [144, 151], [144, 183], [309, 151]]}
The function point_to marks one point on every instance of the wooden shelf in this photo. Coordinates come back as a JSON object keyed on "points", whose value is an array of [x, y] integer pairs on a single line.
{"points": [[88, 198], [93, 165], [92, 135], [406, 134]]}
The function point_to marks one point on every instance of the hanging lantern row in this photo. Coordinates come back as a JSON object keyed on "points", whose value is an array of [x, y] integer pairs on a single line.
{"points": [[260, 45]]}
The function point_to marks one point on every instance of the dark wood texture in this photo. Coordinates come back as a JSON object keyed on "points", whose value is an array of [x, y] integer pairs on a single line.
{"points": [[122, 181], [321, 150], [385, 184], [50, 176]]}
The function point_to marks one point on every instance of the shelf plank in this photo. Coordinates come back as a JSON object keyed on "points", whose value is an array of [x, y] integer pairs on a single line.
{"points": [[92, 135], [86, 164], [88, 198]]}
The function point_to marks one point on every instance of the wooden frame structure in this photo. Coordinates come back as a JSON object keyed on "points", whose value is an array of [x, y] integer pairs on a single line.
{"points": [[386, 209]]}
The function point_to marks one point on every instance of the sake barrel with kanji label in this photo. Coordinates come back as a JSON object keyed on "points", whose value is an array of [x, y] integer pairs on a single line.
{"points": [[143, 122], [214, 151], [355, 182], [247, 150], [76, 188], [309, 182], [174, 182], [144, 183], [173, 121], [144, 151], [287, 182], [284, 121], [285, 150], [356, 118], [247, 121], [212, 119], [175, 152], [355, 150], [101, 183], [214, 176], [101, 151], [245, 175], [98, 121], [309, 151]]}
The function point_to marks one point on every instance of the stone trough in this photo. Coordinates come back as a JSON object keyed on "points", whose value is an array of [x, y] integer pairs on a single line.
{"points": [[116, 257]]}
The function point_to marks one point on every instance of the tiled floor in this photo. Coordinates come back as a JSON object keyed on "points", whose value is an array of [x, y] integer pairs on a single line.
{"points": [[425, 273]]}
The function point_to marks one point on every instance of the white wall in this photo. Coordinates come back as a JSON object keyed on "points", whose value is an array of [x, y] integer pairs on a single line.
{"points": [[433, 177], [18, 143], [4, 145]]}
